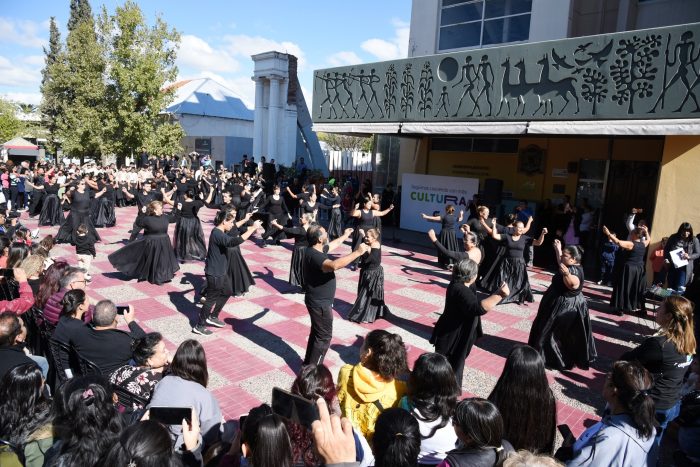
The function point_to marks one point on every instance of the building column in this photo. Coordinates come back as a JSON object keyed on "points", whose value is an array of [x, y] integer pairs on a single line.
{"points": [[258, 121], [273, 119]]}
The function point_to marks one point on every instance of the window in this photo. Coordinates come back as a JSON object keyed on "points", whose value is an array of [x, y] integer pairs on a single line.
{"points": [[497, 145], [478, 23]]}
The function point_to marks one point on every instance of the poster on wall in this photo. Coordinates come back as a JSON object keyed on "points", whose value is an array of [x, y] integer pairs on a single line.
{"points": [[430, 194]]}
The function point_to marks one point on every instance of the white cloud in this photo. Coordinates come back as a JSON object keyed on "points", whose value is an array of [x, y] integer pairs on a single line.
{"points": [[35, 60], [14, 75], [195, 53], [23, 97], [344, 58], [394, 48], [245, 46], [26, 33]]}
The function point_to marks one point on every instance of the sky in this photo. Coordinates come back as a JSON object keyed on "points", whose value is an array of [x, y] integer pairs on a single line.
{"points": [[218, 37]]}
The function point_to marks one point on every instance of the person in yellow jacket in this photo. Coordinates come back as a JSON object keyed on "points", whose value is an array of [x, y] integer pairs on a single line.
{"points": [[367, 389]]}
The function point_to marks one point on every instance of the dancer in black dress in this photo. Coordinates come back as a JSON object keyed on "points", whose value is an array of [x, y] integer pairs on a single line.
{"points": [[150, 258], [448, 239], [335, 226], [144, 197], [189, 235], [513, 269], [495, 251], [309, 206], [365, 219], [296, 268], [51, 211], [38, 193], [369, 304], [471, 247], [238, 272], [456, 330], [79, 199], [216, 269], [277, 211], [628, 276], [562, 331], [104, 214]]}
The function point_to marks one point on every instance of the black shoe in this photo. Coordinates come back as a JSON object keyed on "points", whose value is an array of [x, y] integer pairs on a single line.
{"points": [[199, 329], [216, 322]]}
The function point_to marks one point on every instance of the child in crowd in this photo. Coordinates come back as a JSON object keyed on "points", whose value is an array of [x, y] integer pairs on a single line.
{"points": [[658, 263], [607, 261], [85, 249]]}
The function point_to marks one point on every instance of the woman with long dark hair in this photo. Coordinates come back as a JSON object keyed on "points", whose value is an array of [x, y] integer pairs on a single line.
{"points": [[629, 282], [70, 323], [431, 399], [397, 439], [447, 237], [689, 246], [479, 427], [50, 282], [150, 258], [562, 331], [185, 385], [459, 325], [365, 219], [626, 435], [51, 212], [25, 415], [667, 355], [526, 402], [262, 440], [189, 236], [369, 304], [79, 199]]}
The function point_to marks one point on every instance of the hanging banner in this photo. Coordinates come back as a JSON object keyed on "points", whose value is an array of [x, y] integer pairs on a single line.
{"points": [[431, 194]]}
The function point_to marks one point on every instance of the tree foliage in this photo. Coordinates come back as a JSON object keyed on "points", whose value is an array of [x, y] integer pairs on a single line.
{"points": [[10, 125], [340, 142], [53, 98], [80, 11]]}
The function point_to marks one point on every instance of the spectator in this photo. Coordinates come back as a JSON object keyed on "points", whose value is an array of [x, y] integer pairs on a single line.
{"points": [[371, 386], [33, 266], [50, 282], [667, 355], [150, 359], [186, 386], [72, 278], [25, 415], [526, 402], [4, 246], [25, 300], [659, 264], [70, 325], [397, 439], [683, 240], [103, 344], [18, 252], [85, 422], [680, 440], [432, 398], [626, 435], [148, 443], [524, 458], [479, 427], [11, 350], [607, 260]]}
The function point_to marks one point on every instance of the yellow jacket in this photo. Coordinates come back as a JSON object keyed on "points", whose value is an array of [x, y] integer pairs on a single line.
{"points": [[363, 395]]}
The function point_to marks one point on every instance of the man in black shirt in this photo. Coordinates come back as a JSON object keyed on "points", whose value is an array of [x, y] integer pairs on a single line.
{"points": [[103, 344], [319, 279]]}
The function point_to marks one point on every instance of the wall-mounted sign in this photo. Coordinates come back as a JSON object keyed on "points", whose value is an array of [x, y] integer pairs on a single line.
{"points": [[560, 173]]}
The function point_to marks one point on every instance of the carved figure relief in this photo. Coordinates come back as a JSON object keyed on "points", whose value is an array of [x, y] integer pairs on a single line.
{"points": [[425, 90], [686, 59], [390, 91], [633, 71], [407, 85]]}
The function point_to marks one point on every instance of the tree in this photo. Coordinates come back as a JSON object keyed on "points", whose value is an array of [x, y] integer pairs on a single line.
{"points": [[80, 11], [165, 139], [10, 125], [141, 61], [52, 96], [350, 143]]}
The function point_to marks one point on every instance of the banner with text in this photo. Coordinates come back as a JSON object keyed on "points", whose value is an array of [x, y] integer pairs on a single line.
{"points": [[430, 194]]}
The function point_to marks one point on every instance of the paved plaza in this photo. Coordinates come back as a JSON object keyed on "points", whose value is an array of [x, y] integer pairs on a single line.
{"points": [[267, 329]]}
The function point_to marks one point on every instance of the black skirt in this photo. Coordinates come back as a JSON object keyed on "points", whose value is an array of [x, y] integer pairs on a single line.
{"points": [[448, 239], [239, 277], [512, 271], [335, 226], [103, 215], [189, 239], [296, 269], [69, 227], [51, 212], [562, 331], [492, 254], [150, 258], [369, 304], [628, 289]]}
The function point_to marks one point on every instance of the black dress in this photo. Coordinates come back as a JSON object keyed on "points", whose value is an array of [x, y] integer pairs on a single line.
{"points": [[239, 275], [562, 331], [296, 269], [512, 270], [458, 327], [189, 236], [335, 226], [364, 223], [51, 212], [151, 257], [104, 215], [629, 280], [447, 238], [276, 210], [79, 214], [369, 304]]}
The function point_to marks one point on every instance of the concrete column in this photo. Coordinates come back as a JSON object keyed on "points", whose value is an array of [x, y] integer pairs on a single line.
{"points": [[273, 118], [258, 121]]}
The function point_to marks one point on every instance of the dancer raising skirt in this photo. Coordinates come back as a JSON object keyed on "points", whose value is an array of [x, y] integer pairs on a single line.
{"points": [[365, 220], [151, 257], [369, 304], [104, 215], [296, 268], [238, 272], [561, 331], [189, 236], [51, 211], [79, 199], [447, 238]]}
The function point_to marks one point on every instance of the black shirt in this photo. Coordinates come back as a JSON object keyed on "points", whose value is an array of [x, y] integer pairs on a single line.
{"points": [[142, 200], [85, 245], [109, 349], [11, 357], [217, 263], [320, 286]]}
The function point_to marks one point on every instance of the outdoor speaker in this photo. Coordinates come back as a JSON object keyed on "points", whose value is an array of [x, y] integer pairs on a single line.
{"points": [[493, 192]]}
